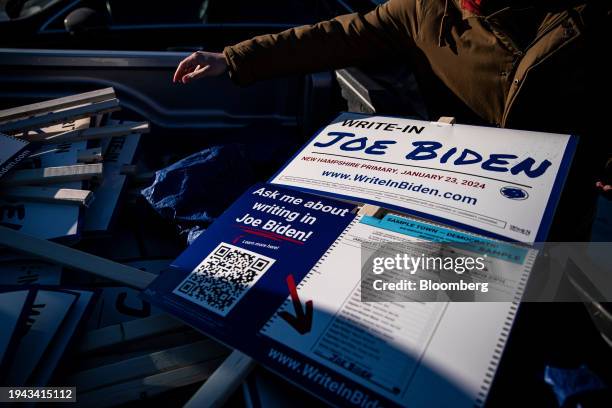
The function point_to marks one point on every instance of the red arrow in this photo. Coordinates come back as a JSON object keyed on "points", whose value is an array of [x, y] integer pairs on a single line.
{"points": [[302, 322]]}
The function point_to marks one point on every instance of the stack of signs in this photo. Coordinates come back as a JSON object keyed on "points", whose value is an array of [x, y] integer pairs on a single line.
{"points": [[38, 324], [69, 140], [70, 184], [296, 278], [61, 172], [117, 151], [129, 357]]}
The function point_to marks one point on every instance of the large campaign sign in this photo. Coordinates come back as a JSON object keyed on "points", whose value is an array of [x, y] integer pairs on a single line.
{"points": [[279, 276], [283, 274], [499, 182]]}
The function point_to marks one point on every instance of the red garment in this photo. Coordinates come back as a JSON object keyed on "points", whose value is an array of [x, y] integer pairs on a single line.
{"points": [[473, 6]]}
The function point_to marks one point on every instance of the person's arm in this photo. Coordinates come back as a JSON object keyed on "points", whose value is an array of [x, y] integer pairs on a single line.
{"points": [[345, 40], [340, 42]]}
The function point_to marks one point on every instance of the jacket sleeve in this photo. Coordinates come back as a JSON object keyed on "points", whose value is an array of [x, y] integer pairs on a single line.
{"points": [[345, 40]]}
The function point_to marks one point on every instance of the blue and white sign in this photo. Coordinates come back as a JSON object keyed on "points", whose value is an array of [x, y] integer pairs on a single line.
{"points": [[498, 182]]}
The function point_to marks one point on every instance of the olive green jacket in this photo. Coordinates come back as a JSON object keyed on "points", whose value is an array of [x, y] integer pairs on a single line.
{"points": [[542, 67], [518, 67]]}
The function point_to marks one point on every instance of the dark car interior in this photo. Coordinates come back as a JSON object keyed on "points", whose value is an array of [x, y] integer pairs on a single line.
{"points": [[94, 24]]}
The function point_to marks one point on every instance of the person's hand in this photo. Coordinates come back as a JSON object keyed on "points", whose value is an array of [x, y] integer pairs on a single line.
{"points": [[604, 185], [200, 64]]}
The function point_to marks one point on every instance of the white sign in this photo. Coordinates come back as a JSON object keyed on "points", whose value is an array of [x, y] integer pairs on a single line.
{"points": [[118, 151], [47, 220], [500, 182], [12, 151]]}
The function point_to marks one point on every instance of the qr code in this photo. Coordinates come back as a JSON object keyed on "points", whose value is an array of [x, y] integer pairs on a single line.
{"points": [[223, 278]]}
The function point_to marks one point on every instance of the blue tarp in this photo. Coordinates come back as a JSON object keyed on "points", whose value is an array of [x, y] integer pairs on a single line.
{"points": [[566, 383], [195, 190]]}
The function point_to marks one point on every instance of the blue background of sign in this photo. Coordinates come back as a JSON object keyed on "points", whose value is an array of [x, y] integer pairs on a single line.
{"points": [[265, 297]]}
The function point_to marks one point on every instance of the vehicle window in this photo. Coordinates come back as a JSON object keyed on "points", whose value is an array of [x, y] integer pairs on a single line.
{"points": [[14, 9], [177, 12], [125, 12], [269, 11]]}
